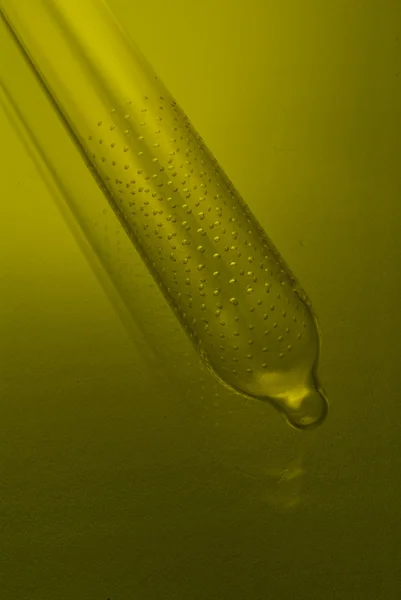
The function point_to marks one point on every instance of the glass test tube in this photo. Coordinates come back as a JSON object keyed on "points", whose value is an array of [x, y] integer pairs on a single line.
{"points": [[244, 311]]}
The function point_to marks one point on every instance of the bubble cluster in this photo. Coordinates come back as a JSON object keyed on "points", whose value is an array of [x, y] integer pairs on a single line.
{"points": [[221, 274]]}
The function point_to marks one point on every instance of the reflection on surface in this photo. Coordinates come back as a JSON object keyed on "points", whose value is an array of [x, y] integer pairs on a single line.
{"points": [[277, 487]]}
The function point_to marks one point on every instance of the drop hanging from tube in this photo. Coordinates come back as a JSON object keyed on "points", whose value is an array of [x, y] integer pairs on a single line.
{"points": [[243, 309]]}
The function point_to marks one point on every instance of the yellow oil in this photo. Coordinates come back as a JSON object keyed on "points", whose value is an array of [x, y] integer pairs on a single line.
{"points": [[133, 474]]}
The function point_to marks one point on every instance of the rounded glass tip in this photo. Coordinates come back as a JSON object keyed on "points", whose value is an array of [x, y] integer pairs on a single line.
{"points": [[304, 410]]}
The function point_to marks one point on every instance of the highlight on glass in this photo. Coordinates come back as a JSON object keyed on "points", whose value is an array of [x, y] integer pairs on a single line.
{"points": [[235, 297]]}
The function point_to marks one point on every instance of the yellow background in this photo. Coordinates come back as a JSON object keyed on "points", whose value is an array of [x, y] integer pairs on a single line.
{"points": [[116, 483]]}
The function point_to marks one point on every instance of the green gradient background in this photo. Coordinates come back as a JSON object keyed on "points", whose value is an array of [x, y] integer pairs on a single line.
{"points": [[117, 485]]}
